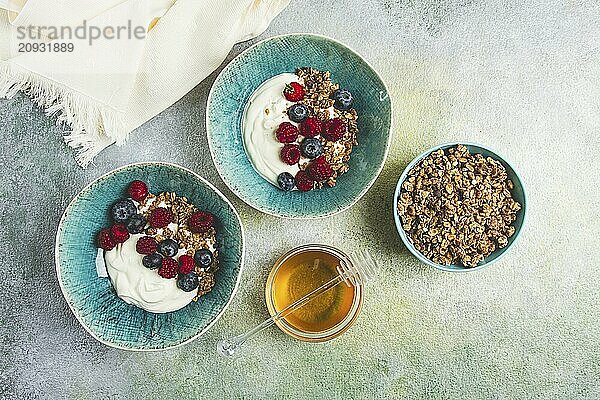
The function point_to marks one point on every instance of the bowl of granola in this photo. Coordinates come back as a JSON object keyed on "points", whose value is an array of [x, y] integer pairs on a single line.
{"points": [[148, 256], [299, 126], [459, 207]]}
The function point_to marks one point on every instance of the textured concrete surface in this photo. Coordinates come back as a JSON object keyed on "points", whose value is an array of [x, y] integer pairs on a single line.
{"points": [[521, 77]]}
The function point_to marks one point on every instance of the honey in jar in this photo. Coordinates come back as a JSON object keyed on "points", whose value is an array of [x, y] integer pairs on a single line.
{"points": [[299, 274]]}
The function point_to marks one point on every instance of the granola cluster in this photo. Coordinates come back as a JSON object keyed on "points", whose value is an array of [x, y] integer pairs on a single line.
{"points": [[318, 90], [457, 207], [190, 241]]}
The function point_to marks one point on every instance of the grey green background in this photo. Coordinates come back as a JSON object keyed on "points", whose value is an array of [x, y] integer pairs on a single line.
{"points": [[521, 77]]}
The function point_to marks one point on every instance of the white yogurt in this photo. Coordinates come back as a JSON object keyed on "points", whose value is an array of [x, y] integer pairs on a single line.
{"points": [[265, 111], [140, 286]]}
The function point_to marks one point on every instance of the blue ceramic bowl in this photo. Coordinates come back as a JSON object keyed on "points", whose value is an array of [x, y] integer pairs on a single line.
{"points": [[276, 55], [94, 301], [518, 194]]}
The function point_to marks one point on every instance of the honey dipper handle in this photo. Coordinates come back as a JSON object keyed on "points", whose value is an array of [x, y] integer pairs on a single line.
{"points": [[229, 347]]}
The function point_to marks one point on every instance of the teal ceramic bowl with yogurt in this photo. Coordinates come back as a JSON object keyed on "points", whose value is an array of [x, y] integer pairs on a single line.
{"points": [[284, 54], [93, 299], [518, 193]]}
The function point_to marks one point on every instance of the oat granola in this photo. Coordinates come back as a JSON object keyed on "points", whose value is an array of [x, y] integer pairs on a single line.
{"points": [[318, 91], [299, 130], [187, 240], [165, 234], [456, 207]]}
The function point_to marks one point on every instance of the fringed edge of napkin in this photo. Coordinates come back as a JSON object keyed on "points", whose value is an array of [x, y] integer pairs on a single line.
{"points": [[91, 126]]}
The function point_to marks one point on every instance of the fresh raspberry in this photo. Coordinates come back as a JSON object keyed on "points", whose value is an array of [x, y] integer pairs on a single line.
{"points": [[287, 133], [320, 160], [160, 217], [138, 190], [105, 241], [200, 222], [311, 127], [186, 264], [303, 182], [294, 92], [334, 129], [146, 245], [168, 268], [290, 154], [119, 233], [319, 170]]}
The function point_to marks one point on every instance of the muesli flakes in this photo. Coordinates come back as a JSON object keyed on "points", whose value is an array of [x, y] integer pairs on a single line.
{"points": [[318, 90], [456, 207]]}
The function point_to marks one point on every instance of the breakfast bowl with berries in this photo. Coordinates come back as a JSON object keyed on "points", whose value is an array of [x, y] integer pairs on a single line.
{"points": [[149, 256], [299, 126]]}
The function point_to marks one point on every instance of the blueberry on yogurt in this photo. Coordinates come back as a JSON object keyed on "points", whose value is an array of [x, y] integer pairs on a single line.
{"points": [[298, 112], [168, 248], [188, 282], [311, 148], [152, 261], [285, 181]]}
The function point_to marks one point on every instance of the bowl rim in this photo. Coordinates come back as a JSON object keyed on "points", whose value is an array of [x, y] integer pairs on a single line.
{"points": [[387, 145], [58, 268], [409, 244]]}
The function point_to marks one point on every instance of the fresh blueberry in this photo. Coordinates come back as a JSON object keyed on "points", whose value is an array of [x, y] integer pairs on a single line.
{"points": [[311, 148], [152, 261], [298, 112], [168, 248], [136, 223], [122, 210], [203, 258], [285, 181], [342, 99], [187, 282]]}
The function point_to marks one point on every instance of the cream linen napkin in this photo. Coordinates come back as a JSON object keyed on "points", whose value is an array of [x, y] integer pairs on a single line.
{"points": [[105, 88]]}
